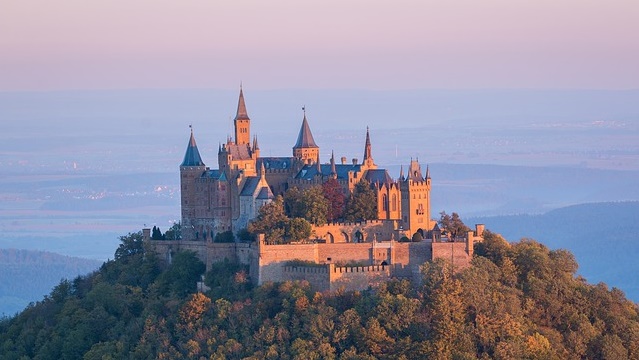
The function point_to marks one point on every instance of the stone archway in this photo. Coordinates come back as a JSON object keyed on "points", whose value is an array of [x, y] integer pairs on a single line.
{"points": [[346, 237], [330, 238], [359, 237]]}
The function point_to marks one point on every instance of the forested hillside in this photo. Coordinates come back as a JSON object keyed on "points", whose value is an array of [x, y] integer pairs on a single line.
{"points": [[29, 275], [517, 301], [603, 236]]}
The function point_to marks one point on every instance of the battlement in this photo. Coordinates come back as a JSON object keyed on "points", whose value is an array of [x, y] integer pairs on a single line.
{"points": [[359, 269]]}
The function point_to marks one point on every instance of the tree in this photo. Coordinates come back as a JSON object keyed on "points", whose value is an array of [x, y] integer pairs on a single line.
{"points": [[131, 244], [245, 236], [297, 229], [309, 204], [270, 221], [156, 234], [183, 274], [224, 237], [174, 232], [362, 204], [334, 195], [453, 224]]}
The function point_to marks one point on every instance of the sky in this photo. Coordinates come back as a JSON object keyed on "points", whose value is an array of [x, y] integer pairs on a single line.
{"points": [[349, 44]]}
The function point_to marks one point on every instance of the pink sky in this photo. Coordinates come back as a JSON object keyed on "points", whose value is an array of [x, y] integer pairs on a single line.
{"points": [[107, 44]]}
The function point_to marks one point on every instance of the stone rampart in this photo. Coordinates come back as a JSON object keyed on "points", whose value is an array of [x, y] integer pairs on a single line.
{"points": [[354, 278]]}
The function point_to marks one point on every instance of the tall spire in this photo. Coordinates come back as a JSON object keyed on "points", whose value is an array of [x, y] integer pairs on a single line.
{"points": [[319, 165], [255, 146], [368, 157], [401, 172], [192, 155], [427, 172], [262, 171], [241, 113]]}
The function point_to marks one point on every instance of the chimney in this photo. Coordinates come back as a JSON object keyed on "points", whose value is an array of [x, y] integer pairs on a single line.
{"points": [[354, 161], [343, 160]]}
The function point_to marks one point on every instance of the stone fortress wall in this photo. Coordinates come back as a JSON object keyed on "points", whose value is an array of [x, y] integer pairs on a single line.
{"points": [[340, 265]]}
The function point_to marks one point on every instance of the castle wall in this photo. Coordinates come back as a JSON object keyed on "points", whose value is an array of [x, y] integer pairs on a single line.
{"points": [[317, 277], [208, 252], [357, 277], [346, 232], [457, 252], [407, 259]]}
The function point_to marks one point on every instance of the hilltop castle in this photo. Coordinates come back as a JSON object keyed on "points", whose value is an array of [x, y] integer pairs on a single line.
{"points": [[228, 198]]}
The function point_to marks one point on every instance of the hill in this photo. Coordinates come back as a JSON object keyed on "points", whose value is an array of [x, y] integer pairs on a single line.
{"points": [[518, 300], [29, 275], [603, 236]]}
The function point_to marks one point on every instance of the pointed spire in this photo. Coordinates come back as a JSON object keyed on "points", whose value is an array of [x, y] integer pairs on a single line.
{"points": [[262, 171], [368, 157], [255, 145], [192, 155], [319, 166], [241, 113], [305, 137], [427, 172], [333, 170], [401, 172]]}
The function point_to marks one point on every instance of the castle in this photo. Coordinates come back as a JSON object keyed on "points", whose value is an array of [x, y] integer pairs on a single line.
{"points": [[228, 198]]}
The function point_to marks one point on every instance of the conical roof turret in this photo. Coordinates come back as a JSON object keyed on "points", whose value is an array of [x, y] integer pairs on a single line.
{"points": [[333, 169], [192, 156], [241, 113], [305, 137]]}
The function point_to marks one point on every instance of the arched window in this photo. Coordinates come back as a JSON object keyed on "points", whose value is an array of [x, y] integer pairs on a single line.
{"points": [[394, 204], [385, 202]]}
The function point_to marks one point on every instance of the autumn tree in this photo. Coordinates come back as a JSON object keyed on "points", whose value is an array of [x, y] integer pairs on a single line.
{"points": [[334, 195], [453, 225]]}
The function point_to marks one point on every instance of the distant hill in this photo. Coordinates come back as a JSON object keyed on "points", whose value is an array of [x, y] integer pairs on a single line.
{"points": [[29, 275], [604, 237]]}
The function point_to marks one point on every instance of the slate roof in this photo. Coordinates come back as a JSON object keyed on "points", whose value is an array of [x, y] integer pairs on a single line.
{"points": [[265, 193], [309, 171], [281, 163], [305, 137], [239, 152], [250, 186], [215, 174], [192, 155], [241, 108], [378, 176]]}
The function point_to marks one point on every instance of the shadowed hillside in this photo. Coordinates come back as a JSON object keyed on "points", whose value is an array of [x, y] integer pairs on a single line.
{"points": [[29, 275], [603, 236]]}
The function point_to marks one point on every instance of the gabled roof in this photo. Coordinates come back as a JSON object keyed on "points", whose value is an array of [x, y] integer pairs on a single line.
{"points": [[380, 176], [265, 193], [305, 137], [250, 186], [239, 151], [192, 155]]}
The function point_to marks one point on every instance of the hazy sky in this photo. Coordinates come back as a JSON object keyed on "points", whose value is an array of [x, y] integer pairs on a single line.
{"points": [[95, 44]]}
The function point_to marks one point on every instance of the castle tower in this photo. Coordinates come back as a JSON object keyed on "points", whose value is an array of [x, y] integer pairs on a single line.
{"points": [[242, 123], [368, 157], [305, 148], [415, 190], [191, 169]]}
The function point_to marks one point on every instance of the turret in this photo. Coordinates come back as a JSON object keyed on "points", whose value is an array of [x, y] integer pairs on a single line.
{"points": [[305, 148], [242, 123], [191, 169]]}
